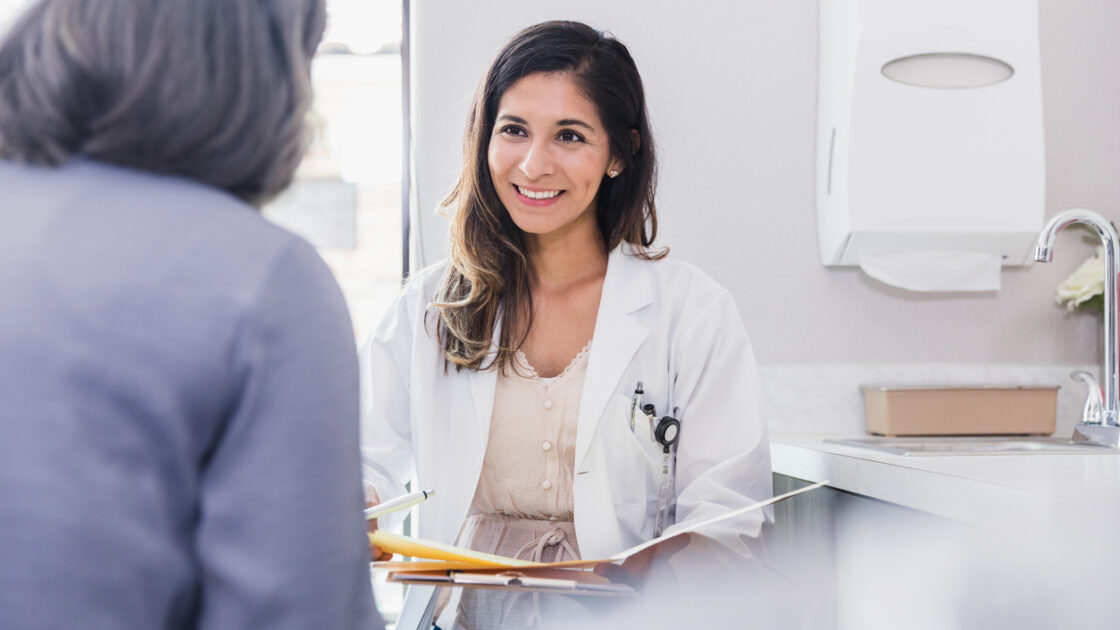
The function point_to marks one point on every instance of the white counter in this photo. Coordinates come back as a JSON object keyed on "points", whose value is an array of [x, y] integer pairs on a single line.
{"points": [[997, 540], [970, 488]]}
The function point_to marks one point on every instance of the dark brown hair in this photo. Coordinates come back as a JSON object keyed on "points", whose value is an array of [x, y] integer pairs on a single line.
{"points": [[487, 278], [214, 90]]}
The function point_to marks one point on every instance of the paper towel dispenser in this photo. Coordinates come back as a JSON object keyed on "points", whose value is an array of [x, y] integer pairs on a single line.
{"points": [[930, 132]]}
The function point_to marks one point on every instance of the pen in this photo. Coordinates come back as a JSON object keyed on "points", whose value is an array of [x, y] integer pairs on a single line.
{"points": [[399, 503], [635, 403], [651, 414]]}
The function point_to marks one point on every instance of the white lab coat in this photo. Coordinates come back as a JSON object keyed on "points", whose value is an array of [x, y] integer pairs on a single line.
{"points": [[664, 323]]}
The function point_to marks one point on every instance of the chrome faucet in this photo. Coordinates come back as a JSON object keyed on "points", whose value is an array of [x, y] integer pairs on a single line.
{"points": [[1100, 418]]}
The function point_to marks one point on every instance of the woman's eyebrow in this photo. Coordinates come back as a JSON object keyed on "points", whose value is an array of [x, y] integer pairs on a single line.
{"points": [[574, 122], [566, 122]]}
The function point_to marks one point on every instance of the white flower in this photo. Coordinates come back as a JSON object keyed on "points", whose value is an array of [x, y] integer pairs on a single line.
{"points": [[1084, 283]]}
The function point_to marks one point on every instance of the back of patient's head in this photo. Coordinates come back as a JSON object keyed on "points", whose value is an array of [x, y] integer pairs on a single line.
{"points": [[214, 90]]}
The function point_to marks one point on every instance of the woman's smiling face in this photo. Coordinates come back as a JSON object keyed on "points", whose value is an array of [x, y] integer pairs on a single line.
{"points": [[548, 154]]}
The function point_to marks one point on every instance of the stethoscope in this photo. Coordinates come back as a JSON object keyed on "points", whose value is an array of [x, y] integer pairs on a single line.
{"points": [[666, 432]]}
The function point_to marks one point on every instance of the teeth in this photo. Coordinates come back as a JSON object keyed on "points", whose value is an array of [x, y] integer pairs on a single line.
{"points": [[548, 194]]}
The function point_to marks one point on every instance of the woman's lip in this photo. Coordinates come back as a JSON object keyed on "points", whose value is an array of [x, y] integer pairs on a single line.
{"points": [[529, 201]]}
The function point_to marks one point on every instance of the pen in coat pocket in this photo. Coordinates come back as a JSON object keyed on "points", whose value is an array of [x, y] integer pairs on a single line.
{"points": [[635, 403], [399, 503]]}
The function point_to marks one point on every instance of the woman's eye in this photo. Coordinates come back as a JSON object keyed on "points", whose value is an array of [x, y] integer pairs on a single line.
{"points": [[513, 130], [569, 136]]}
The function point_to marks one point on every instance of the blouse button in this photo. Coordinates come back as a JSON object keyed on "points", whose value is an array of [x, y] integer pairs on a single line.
{"points": [[547, 404], [546, 445], [546, 484]]}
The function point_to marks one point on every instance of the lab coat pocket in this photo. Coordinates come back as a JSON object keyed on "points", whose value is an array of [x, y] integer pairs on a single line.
{"points": [[638, 457]]}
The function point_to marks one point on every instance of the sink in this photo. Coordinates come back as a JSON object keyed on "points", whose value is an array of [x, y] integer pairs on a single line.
{"points": [[924, 446]]}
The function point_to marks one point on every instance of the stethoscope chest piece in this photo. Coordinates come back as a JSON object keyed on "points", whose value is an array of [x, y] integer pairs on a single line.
{"points": [[667, 431]]}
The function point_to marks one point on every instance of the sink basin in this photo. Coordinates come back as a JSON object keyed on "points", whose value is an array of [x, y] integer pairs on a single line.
{"points": [[910, 446]]}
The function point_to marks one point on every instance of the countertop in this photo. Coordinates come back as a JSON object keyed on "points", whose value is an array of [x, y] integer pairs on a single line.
{"points": [[970, 488]]}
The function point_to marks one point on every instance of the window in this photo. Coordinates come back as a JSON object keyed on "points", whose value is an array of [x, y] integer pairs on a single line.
{"points": [[346, 198]]}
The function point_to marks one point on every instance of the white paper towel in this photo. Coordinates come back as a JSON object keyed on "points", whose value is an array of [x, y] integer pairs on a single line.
{"points": [[930, 271]]}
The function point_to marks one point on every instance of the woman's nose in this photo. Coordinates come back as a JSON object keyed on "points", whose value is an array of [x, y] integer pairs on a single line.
{"points": [[537, 161]]}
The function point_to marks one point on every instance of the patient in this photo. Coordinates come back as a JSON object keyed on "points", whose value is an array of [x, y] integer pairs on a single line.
{"points": [[179, 417]]}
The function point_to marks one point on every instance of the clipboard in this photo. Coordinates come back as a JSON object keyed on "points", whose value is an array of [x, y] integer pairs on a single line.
{"points": [[560, 581], [450, 565]]}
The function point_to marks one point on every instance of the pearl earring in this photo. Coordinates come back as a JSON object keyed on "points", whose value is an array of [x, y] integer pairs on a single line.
{"points": [[613, 173]]}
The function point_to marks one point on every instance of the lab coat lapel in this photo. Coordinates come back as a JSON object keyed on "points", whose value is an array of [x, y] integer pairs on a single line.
{"points": [[618, 335], [483, 384]]}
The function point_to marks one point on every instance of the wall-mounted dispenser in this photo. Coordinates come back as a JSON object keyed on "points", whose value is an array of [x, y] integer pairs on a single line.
{"points": [[930, 166]]}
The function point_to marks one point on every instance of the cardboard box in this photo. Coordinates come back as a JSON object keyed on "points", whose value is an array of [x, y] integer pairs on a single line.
{"points": [[960, 410]]}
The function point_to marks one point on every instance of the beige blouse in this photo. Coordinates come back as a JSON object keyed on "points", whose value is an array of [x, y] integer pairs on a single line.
{"points": [[523, 505], [527, 472]]}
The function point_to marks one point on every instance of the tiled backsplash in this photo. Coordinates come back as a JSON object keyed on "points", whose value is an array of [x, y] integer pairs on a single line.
{"points": [[827, 399]]}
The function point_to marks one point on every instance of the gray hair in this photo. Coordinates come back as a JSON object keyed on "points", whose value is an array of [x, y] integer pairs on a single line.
{"points": [[214, 90]]}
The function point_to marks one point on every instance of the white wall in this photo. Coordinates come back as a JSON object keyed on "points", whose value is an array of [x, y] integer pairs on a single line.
{"points": [[732, 93]]}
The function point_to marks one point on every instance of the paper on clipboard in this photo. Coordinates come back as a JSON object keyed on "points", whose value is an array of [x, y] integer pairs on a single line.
{"points": [[695, 527], [569, 581], [441, 557]]}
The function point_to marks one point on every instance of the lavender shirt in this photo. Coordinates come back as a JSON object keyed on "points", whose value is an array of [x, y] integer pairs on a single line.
{"points": [[178, 413]]}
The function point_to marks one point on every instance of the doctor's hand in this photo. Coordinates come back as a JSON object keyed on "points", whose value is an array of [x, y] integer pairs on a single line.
{"points": [[633, 570], [375, 553]]}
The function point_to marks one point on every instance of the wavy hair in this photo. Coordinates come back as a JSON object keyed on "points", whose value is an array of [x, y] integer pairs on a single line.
{"points": [[487, 279], [213, 90]]}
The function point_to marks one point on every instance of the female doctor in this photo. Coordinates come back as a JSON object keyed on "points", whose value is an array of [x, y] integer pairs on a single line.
{"points": [[504, 378]]}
